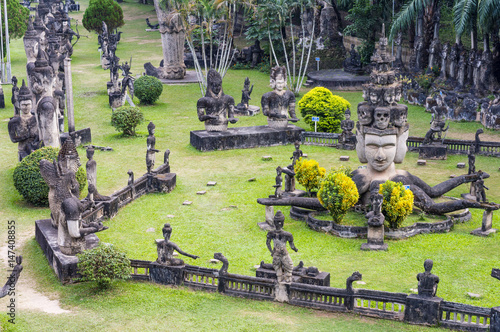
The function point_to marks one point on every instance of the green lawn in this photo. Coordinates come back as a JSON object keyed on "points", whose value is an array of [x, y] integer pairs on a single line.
{"points": [[463, 262]]}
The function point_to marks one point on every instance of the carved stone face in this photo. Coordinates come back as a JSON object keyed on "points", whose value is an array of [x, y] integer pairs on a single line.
{"points": [[280, 83], [278, 224], [216, 87], [31, 49], [397, 94], [382, 116], [401, 117], [373, 97], [389, 96], [25, 106], [365, 115], [365, 94], [347, 116], [90, 153], [73, 163], [380, 151]]}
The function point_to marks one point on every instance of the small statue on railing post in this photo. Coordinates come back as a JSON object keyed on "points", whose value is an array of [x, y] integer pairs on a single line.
{"points": [[297, 154], [282, 263]]}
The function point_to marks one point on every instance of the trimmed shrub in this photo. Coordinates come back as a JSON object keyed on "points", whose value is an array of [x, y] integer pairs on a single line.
{"points": [[148, 89], [103, 10], [126, 119], [337, 194], [398, 203], [103, 265], [329, 108], [308, 173], [29, 182]]}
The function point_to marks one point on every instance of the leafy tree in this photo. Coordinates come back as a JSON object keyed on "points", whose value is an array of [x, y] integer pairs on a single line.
{"points": [[309, 174], [126, 118], [338, 193], [18, 20], [398, 203], [103, 10]]}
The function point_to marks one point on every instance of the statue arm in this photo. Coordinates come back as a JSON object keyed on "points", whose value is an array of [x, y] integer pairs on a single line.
{"points": [[264, 102], [74, 228], [292, 244], [268, 243], [179, 250]]}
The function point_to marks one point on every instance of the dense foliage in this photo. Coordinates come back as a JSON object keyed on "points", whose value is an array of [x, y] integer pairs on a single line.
{"points": [[308, 173], [18, 20], [29, 182], [103, 265], [329, 108], [103, 10], [398, 203], [337, 194], [126, 119], [148, 89]]}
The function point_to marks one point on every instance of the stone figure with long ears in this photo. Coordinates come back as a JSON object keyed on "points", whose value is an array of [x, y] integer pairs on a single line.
{"points": [[23, 128], [279, 104], [215, 109], [245, 95], [91, 167], [48, 121], [166, 250], [151, 151], [282, 263], [31, 42]]}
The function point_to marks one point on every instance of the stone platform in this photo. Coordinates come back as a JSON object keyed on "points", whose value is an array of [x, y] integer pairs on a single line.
{"points": [[79, 137], [63, 265], [337, 79], [244, 137], [432, 152], [190, 77]]}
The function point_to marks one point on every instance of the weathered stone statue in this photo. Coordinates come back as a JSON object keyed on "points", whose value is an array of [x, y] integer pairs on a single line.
{"points": [[444, 60], [398, 41], [297, 154], [166, 249], [245, 95], [48, 121], [215, 109], [470, 67], [472, 160], [280, 103], [477, 71], [172, 38], [151, 151], [438, 123], [41, 77], [353, 63], [375, 222], [15, 96], [427, 282], [23, 128], [278, 183], [282, 263], [434, 49], [91, 168], [479, 188], [256, 53], [30, 41], [452, 60], [289, 179], [486, 69], [346, 137]]}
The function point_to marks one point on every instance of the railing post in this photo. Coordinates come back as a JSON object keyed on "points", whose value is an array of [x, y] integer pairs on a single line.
{"points": [[422, 310], [495, 319], [221, 287]]}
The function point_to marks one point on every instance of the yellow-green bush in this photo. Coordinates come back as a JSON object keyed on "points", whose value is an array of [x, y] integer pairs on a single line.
{"points": [[330, 109], [398, 203], [337, 194], [308, 173]]}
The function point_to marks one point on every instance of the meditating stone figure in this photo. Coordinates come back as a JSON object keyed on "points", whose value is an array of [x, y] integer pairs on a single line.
{"points": [[280, 103], [427, 282], [166, 249], [215, 109], [15, 96], [282, 263]]}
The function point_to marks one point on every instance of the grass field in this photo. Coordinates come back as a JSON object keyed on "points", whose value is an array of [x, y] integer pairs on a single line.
{"points": [[463, 262]]}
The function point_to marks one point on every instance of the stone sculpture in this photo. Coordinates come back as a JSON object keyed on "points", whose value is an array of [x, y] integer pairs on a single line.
{"points": [[282, 263], [256, 53], [23, 128], [41, 76], [353, 63], [31, 42], [151, 151], [444, 59], [346, 137], [166, 249], [472, 160], [279, 103], [427, 282], [91, 168], [438, 123], [297, 154], [12, 279], [289, 179], [15, 96], [278, 183], [245, 96], [479, 188], [152, 26], [48, 121], [375, 225], [215, 109]]}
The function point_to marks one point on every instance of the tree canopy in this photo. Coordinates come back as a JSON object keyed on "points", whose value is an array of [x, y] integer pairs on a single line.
{"points": [[103, 10], [18, 19]]}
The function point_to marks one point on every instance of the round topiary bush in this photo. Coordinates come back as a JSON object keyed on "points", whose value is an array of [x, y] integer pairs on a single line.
{"points": [[29, 182], [103, 264], [148, 89], [102, 10], [308, 173], [322, 103], [126, 119], [398, 203], [337, 194]]}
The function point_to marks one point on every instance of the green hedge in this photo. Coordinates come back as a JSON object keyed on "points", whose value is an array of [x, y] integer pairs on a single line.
{"points": [[148, 89]]}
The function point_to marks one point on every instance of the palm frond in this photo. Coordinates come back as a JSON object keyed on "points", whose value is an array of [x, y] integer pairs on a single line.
{"points": [[407, 15], [464, 13]]}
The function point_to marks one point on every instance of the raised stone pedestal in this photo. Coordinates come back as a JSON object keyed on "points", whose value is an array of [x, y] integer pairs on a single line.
{"points": [[486, 227], [432, 152], [422, 310], [268, 225], [244, 137], [250, 111], [63, 265], [79, 137], [375, 239], [164, 183], [166, 275], [495, 319]]}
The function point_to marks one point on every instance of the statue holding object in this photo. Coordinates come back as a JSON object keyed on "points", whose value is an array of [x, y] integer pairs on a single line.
{"points": [[166, 249]]}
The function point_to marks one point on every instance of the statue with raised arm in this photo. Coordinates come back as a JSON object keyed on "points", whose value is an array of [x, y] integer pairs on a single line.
{"points": [[215, 109], [166, 249]]}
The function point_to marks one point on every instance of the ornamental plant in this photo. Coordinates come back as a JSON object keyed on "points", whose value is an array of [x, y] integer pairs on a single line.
{"points": [[398, 203], [322, 103], [148, 89], [308, 173], [103, 265], [102, 10], [29, 182], [126, 119], [337, 193]]}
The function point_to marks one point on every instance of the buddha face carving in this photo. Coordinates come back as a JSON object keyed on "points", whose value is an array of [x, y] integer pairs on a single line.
{"points": [[365, 114], [280, 83], [389, 96], [380, 151], [382, 117], [374, 97], [25, 106]]}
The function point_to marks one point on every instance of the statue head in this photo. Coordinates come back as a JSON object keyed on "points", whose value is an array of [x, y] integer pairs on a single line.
{"points": [[297, 145], [214, 83], [14, 81], [375, 95], [167, 231], [71, 208], [42, 74], [279, 220], [381, 117], [347, 114], [151, 128], [278, 78], [365, 114], [25, 99], [428, 265], [398, 90], [68, 156], [279, 170], [389, 95], [366, 93], [380, 149], [247, 83], [399, 115], [90, 152], [30, 41]]}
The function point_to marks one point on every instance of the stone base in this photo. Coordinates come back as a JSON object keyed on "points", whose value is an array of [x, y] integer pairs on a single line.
{"points": [[166, 275], [250, 111], [63, 265], [281, 292], [432, 152], [164, 183], [79, 137], [372, 246], [337, 79], [486, 227], [479, 232], [189, 77], [244, 137], [495, 319], [322, 279], [422, 310]]}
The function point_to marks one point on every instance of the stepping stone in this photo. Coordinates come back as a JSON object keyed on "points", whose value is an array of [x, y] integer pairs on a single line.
{"points": [[211, 183], [252, 179], [214, 261], [170, 216], [461, 165], [304, 155], [150, 230], [452, 176], [267, 158], [421, 162], [203, 192], [187, 203], [474, 296], [360, 282], [344, 158]]}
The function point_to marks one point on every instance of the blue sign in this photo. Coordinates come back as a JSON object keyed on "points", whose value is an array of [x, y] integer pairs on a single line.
{"points": [[317, 59], [407, 187], [315, 118]]}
